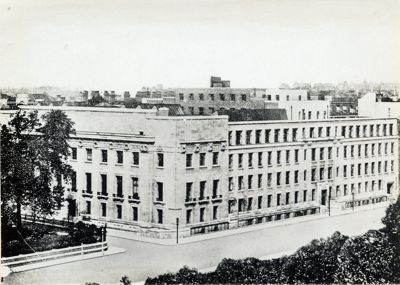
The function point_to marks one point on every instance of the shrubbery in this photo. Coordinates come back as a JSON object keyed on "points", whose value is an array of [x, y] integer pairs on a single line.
{"points": [[41, 238], [370, 258]]}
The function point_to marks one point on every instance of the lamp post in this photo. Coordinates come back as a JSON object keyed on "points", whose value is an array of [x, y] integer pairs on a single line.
{"points": [[329, 201], [352, 194], [177, 222]]}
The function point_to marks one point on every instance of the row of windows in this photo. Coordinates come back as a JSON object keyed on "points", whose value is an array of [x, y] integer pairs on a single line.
{"points": [[119, 186], [202, 214], [289, 156], [291, 134], [119, 156], [118, 212], [323, 173], [202, 189], [358, 188], [202, 159], [281, 199], [212, 97]]}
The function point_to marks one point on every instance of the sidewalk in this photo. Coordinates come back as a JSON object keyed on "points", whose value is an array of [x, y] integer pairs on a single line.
{"points": [[111, 250], [236, 231]]}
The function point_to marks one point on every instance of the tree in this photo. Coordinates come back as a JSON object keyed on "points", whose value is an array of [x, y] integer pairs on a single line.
{"points": [[34, 163], [95, 100], [125, 280], [392, 228], [366, 259], [316, 262]]}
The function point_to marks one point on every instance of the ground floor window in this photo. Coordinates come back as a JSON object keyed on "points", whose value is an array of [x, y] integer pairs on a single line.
{"points": [[135, 213], [160, 216]]}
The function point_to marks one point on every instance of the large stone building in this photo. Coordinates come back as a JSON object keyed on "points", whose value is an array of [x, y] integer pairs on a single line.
{"points": [[141, 170]]}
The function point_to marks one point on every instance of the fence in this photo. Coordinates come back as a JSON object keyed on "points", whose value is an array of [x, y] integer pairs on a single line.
{"points": [[46, 221], [42, 256]]}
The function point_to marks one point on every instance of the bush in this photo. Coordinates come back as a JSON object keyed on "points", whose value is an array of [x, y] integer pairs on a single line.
{"points": [[366, 259]]}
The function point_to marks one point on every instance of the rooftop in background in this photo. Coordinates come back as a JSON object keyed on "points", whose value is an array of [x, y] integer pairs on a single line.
{"points": [[254, 114]]}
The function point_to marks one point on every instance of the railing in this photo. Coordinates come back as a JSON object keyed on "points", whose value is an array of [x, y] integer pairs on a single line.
{"points": [[52, 222], [42, 256]]}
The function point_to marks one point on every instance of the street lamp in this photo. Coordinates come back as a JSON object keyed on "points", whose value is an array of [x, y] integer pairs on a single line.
{"points": [[177, 223], [352, 194]]}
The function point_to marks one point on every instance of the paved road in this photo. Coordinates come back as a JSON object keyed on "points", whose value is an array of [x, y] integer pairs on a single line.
{"points": [[144, 259]]}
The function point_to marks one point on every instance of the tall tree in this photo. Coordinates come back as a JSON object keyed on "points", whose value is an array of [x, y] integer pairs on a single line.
{"points": [[34, 163]]}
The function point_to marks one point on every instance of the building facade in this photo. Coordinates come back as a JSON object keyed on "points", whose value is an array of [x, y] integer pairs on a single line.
{"points": [[145, 171]]}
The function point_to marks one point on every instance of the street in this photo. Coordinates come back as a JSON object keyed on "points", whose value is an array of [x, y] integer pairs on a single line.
{"points": [[145, 259]]}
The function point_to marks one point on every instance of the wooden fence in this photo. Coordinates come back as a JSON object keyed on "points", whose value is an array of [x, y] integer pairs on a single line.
{"points": [[42, 256]]}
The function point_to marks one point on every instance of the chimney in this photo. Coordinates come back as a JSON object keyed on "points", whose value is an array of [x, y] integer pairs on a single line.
{"points": [[163, 111]]}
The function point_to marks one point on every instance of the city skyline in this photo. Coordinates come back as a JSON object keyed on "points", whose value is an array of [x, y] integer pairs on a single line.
{"points": [[142, 43]]}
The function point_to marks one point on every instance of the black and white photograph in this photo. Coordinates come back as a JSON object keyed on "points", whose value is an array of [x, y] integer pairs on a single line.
{"points": [[149, 142]]}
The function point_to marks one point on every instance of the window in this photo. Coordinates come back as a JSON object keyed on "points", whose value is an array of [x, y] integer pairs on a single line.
{"points": [[202, 214], [160, 159], [238, 137], [258, 136], [73, 180], [278, 157], [321, 153], [240, 160], [304, 195], [285, 135], [181, 97], [345, 151], [135, 186], [119, 211], [189, 216], [269, 201], [215, 212], [296, 176], [248, 137], [313, 151], [201, 97], [352, 151], [88, 207], [189, 186], [104, 155], [330, 152], [296, 155], [287, 177], [260, 159], [215, 158], [328, 131], [287, 198], [269, 179], [191, 96], [296, 197], [359, 150], [250, 160], [89, 154], [373, 149], [89, 182], [203, 159], [191, 110], [222, 97], [135, 158], [294, 135], [211, 96], [278, 199], [160, 216], [233, 97], [74, 153], [135, 214], [269, 158], [345, 171], [305, 175], [391, 148], [259, 181], [189, 157], [119, 186], [215, 188], [201, 110], [244, 97], [259, 202], [160, 191], [103, 184], [321, 173], [250, 204], [103, 209], [240, 183], [202, 189], [120, 157], [250, 182], [276, 135], [267, 135], [230, 184], [313, 174], [313, 195], [278, 178], [287, 156]]}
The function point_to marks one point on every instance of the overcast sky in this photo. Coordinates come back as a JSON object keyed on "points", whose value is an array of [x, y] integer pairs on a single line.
{"points": [[125, 44]]}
